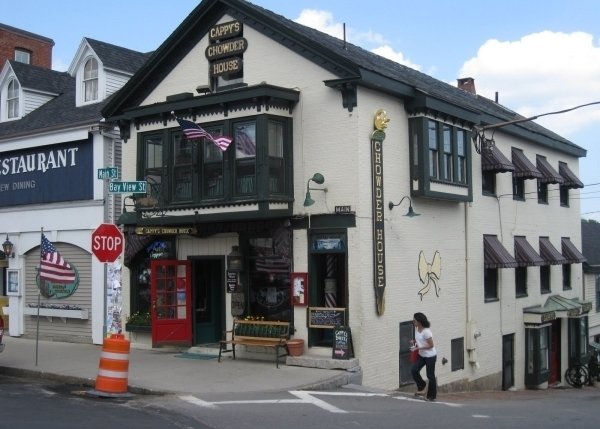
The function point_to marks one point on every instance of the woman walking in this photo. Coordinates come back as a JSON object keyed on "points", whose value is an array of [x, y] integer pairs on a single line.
{"points": [[427, 356]]}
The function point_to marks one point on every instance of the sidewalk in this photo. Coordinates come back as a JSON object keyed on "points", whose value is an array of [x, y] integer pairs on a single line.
{"points": [[161, 370]]}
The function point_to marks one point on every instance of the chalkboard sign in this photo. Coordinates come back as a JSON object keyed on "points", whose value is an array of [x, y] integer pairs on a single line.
{"points": [[232, 280], [342, 343], [326, 317]]}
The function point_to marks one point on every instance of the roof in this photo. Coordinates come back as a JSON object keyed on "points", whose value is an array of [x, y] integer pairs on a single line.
{"points": [[117, 57], [352, 65], [26, 33], [61, 111], [590, 245]]}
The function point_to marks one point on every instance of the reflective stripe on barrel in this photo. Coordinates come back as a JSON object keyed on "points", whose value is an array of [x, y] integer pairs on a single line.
{"points": [[114, 365]]}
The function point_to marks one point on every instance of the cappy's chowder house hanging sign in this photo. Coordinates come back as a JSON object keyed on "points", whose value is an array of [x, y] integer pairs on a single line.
{"points": [[225, 48]]}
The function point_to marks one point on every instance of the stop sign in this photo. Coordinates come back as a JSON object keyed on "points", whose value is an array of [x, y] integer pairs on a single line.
{"points": [[107, 242]]}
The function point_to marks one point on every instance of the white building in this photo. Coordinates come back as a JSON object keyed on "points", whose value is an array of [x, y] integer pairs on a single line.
{"points": [[52, 143], [492, 259]]}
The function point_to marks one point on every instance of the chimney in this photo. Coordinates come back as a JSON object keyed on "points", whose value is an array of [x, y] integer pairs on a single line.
{"points": [[467, 84]]}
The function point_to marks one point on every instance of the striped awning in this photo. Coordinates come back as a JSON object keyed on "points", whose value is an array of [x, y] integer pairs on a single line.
{"points": [[525, 254], [549, 253], [495, 255], [570, 179], [523, 167], [569, 251], [494, 160], [549, 174]]}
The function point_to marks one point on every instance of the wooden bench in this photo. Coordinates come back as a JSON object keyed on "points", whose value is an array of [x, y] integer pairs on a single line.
{"points": [[257, 333]]}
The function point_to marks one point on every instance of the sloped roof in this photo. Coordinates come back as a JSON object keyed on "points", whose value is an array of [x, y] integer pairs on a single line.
{"points": [[61, 111], [41, 79], [117, 57], [26, 33], [344, 59], [590, 245]]}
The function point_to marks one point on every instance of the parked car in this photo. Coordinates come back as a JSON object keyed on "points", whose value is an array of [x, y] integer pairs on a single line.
{"points": [[1, 333]]}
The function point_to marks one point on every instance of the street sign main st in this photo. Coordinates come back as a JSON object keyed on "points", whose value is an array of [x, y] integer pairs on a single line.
{"points": [[108, 173]]}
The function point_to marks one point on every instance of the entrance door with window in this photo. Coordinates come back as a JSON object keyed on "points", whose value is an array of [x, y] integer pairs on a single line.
{"points": [[508, 361], [554, 375], [170, 289], [208, 300]]}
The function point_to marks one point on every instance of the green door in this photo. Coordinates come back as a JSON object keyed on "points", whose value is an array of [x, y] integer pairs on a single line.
{"points": [[208, 299]]}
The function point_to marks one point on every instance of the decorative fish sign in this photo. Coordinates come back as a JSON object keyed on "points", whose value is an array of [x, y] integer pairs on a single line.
{"points": [[430, 273]]}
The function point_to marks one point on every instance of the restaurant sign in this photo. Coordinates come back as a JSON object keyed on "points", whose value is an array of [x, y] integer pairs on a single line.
{"points": [[225, 50]]}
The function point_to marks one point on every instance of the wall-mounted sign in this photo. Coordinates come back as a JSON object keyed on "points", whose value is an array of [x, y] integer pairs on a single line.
{"points": [[108, 173], [232, 281], [138, 187], [343, 209], [226, 66], [227, 48], [164, 230], [227, 30]]}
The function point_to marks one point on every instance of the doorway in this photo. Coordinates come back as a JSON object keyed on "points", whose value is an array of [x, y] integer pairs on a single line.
{"points": [[508, 361], [208, 299], [554, 375]]}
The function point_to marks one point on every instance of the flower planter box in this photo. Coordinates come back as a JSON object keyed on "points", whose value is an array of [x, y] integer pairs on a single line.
{"points": [[137, 328], [55, 312]]}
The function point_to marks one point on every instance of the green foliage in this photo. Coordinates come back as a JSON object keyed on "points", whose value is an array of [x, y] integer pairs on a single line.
{"points": [[139, 318]]}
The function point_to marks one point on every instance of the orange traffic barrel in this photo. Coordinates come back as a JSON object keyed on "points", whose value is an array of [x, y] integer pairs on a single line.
{"points": [[114, 365]]}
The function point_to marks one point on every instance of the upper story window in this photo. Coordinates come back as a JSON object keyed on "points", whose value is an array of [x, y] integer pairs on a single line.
{"points": [[493, 161], [23, 56], [440, 159], [12, 99], [524, 169], [256, 164], [90, 80]]}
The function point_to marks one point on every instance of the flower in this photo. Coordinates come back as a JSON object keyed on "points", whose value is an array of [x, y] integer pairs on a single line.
{"points": [[139, 318]]}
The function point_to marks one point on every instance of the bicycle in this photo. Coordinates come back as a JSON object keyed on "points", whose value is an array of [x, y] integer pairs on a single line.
{"points": [[577, 375]]}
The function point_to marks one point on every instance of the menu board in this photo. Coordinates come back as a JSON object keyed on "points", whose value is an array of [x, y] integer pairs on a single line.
{"points": [[342, 343], [326, 317]]}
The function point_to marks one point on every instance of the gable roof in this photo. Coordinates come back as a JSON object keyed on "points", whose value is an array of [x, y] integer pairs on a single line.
{"points": [[118, 57], [61, 112], [353, 66], [590, 245]]}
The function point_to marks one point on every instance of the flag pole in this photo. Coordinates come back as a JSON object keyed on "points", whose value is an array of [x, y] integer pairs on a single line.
{"points": [[37, 328]]}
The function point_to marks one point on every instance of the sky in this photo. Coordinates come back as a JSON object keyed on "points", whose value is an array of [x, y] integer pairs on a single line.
{"points": [[539, 57]]}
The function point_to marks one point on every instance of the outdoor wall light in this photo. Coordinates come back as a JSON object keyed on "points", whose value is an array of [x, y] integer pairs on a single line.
{"points": [[319, 180], [235, 260], [411, 212], [7, 247]]}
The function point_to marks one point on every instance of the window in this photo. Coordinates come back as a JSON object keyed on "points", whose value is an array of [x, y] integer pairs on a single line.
{"points": [[461, 152], [564, 196], [542, 192], [545, 279], [22, 56], [187, 173], [490, 284], [12, 99], [457, 354], [90, 80], [537, 355], [566, 270], [488, 182], [518, 188], [433, 150], [521, 282], [578, 340], [448, 153]]}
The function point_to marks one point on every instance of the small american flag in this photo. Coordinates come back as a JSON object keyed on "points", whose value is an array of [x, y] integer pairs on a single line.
{"points": [[194, 131], [53, 267]]}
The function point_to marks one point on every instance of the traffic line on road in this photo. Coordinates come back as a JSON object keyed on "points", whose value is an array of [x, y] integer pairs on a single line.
{"points": [[310, 399]]}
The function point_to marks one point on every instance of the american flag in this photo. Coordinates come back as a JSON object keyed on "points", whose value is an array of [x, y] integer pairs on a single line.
{"points": [[194, 131], [53, 267]]}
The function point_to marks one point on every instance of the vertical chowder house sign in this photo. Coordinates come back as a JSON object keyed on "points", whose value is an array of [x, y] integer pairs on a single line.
{"points": [[377, 137], [225, 49]]}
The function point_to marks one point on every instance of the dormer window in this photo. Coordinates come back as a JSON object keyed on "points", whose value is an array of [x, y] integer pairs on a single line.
{"points": [[23, 56], [12, 99], [90, 80]]}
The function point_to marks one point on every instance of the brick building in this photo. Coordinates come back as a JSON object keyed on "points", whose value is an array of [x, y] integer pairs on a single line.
{"points": [[25, 47]]}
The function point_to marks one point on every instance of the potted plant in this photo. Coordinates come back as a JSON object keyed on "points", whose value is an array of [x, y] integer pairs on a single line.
{"points": [[138, 321]]}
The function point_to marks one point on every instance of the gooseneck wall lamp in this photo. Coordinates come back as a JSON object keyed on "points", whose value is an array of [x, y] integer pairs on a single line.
{"points": [[411, 212], [7, 248], [319, 180]]}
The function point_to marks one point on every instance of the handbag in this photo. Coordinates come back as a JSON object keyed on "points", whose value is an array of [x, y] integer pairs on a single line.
{"points": [[413, 355]]}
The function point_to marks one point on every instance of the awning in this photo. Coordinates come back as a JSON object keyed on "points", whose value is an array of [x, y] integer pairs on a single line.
{"points": [[525, 254], [523, 167], [569, 251], [556, 306], [549, 174], [571, 180], [495, 255], [549, 253], [494, 160]]}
